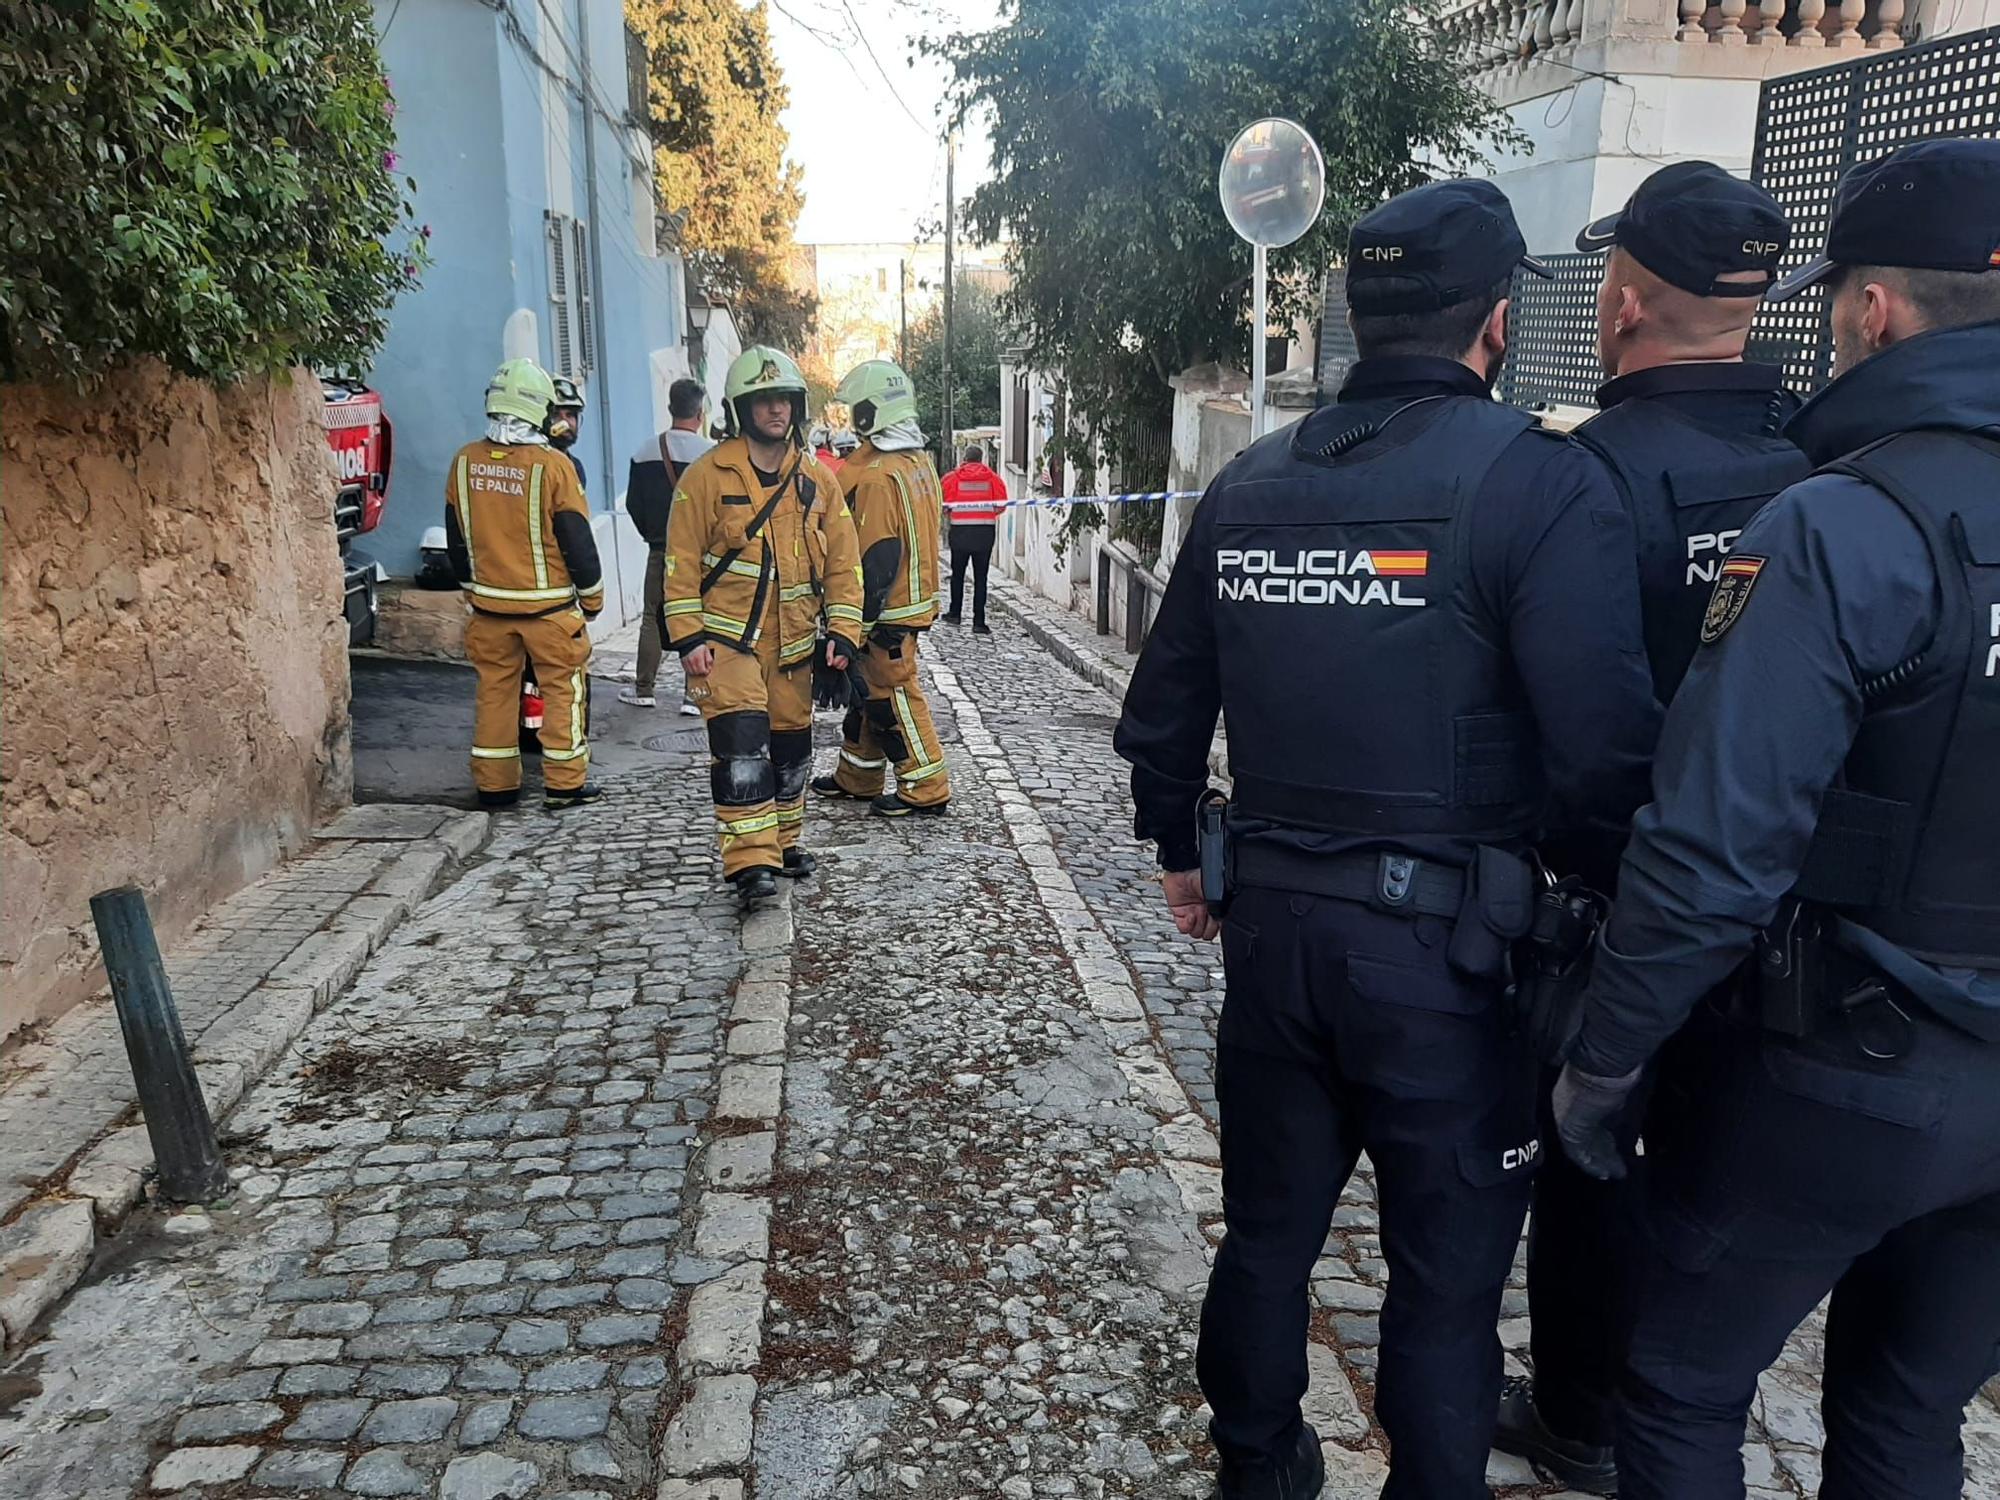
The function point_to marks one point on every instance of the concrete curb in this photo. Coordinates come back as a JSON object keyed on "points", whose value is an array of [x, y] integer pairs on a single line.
{"points": [[45, 1252], [708, 1441]]}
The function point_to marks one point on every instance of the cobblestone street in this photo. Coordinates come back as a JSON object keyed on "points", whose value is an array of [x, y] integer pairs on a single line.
{"points": [[589, 1187]]}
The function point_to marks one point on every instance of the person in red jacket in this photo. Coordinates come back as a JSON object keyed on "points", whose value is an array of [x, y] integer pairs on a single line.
{"points": [[981, 492]]}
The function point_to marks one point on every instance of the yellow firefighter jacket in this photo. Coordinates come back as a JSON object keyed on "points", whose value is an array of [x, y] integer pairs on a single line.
{"points": [[723, 569], [897, 501], [518, 531]]}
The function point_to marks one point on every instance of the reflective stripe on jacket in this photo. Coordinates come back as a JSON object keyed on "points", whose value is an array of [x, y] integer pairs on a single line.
{"points": [[971, 482], [803, 557], [518, 528], [897, 501]]}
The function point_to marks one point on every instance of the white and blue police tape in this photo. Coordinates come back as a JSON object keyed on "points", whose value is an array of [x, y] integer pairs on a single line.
{"points": [[1127, 499]]}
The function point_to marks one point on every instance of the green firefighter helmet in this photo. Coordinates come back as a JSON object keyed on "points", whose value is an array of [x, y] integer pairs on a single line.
{"points": [[521, 388], [762, 371], [879, 394]]}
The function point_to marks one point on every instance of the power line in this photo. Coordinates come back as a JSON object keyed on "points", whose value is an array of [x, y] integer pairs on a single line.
{"points": [[887, 82]]}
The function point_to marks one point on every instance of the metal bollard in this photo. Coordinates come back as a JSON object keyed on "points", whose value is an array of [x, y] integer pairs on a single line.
{"points": [[184, 1145]]}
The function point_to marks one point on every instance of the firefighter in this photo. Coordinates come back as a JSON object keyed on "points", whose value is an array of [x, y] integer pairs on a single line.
{"points": [[566, 423], [518, 532], [897, 501], [760, 547]]}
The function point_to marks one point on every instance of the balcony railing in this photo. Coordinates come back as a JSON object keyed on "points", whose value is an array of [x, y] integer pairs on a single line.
{"points": [[1506, 34]]}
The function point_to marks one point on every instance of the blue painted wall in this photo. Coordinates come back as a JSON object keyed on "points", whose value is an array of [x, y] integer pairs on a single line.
{"points": [[490, 122]]}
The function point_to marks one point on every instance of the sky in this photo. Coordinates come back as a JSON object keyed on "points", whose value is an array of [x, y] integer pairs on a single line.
{"points": [[872, 150]]}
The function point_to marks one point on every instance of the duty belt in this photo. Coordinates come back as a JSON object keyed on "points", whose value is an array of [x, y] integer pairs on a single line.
{"points": [[1396, 883]]}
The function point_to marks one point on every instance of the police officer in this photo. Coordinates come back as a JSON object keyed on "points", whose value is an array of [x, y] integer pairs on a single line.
{"points": [[1419, 615], [1693, 434], [1827, 780]]}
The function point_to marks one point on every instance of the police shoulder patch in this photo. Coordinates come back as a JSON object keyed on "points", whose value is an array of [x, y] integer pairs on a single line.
{"points": [[1733, 583]]}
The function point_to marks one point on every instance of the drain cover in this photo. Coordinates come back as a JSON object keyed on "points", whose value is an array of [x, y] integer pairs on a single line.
{"points": [[676, 741]]}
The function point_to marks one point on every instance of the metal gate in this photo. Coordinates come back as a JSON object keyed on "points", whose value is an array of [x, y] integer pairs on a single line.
{"points": [[1811, 127]]}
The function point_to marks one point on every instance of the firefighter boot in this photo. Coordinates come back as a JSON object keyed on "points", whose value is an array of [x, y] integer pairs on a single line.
{"points": [[756, 886]]}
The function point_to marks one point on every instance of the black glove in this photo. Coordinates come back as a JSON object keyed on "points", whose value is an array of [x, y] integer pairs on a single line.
{"points": [[1584, 1103], [857, 685], [829, 683]]}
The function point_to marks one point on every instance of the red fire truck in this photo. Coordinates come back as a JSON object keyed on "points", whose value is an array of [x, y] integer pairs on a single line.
{"points": [[362, 442]]}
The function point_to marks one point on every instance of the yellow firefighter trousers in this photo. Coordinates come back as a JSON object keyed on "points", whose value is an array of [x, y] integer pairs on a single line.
{"points": [[500, 647], [759, 720], [893, 728]]}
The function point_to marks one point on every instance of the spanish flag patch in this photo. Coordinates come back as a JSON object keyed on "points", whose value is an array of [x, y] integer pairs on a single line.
{"points": [[1401, 564], [1732, 591]]}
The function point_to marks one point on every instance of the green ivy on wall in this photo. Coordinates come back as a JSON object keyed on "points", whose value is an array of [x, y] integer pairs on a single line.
{"points": [[214, 182]]}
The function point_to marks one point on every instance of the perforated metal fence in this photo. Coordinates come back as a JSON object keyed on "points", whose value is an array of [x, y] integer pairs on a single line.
{"points": [[1811, 127], [1552, 334]]}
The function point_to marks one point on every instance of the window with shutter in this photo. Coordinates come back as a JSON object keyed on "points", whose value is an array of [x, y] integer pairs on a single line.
{"points": [[586, 327], [562, 344]]}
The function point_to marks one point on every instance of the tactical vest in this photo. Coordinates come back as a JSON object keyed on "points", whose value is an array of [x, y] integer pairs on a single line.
{"points": [[1691, 488], [1361, 691], [1908, 839]]}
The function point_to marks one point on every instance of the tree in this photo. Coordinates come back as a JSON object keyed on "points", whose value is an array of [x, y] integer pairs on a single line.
{"points": [[214, 185], [715, 94], [1109, 121], [976, 342]]}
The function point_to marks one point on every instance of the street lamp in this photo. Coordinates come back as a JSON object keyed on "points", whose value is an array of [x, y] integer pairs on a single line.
{"points": [[1272, 183]]}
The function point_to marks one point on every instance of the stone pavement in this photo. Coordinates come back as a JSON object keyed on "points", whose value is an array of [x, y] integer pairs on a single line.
{"points": [[590, 1188], [244, 980], [457, 1259], [1055, 730]]}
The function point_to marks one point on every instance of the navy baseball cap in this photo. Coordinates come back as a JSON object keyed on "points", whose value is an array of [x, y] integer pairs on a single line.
{"points": [[1434, 246], [1692, 224], [1933, 206]]}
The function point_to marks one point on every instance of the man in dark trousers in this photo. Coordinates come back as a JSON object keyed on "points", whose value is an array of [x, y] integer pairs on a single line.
{"points": [[1420, 615], [1694, 435], [1826, 811], [654, 474], [976, 496]]}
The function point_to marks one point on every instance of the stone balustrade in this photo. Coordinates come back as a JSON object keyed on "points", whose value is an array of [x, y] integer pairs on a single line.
{"points": [[1496, 35]]}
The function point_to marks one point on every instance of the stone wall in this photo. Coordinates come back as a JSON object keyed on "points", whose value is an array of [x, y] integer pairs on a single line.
{"points": [[173, 682]]}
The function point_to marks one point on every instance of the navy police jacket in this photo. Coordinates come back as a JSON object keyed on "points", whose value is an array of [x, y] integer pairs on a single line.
{"points": [[1697, 450], [1417, 614], [1849, 659]]}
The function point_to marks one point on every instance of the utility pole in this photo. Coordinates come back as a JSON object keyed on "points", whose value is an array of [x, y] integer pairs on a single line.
{"points": [[903, 312], [950, 163], [595, 271]]}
